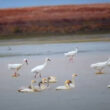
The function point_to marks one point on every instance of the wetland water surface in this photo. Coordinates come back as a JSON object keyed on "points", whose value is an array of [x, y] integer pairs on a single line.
{"points": [[90, 93]]}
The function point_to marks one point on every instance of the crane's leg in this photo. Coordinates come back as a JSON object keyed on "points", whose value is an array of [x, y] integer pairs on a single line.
{"points": [[14, 75], [99, 72], [36, 74], [71, 59], [40, 75]]}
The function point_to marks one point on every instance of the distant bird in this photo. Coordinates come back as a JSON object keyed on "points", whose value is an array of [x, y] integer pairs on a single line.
{"points": [[37, 70], [17, 67], [71, 54], [100, 66], [9, 48], [68, 84]]}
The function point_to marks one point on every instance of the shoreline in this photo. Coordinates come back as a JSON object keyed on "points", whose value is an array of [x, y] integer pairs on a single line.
{"points": [[48, 39]]}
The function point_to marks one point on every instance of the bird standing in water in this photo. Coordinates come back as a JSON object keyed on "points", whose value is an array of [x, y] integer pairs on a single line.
{"points": [[17, 67], [37, 70], [71, 54]]}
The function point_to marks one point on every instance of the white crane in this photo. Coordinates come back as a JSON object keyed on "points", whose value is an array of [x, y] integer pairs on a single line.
{"points": [[16, 67], [68, 84], [100, 66], [37, 70], [71, 54]]}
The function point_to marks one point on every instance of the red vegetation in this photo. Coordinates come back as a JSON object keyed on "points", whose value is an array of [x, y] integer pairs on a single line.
{"points": [[52, 19]]}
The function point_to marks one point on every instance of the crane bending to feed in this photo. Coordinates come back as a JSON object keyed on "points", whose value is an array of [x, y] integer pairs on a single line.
{"points": [[71, 54], [100, 66], [17, 67], [68, 84], [37, 70]]}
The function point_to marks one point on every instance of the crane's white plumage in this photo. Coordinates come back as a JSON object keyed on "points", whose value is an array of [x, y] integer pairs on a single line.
{"points": [[39, 68], [71, 54], [16, 67], [100, 66]]}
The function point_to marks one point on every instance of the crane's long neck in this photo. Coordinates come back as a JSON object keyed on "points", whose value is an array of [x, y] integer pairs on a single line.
{"points": [[45, 63], [76, 50], [108, 61], [32, 86], [73, 81]]}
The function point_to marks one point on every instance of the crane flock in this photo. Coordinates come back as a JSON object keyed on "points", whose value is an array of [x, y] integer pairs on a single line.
{"points": [[44, 83]]}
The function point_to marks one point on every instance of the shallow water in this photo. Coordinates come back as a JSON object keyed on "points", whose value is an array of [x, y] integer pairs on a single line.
{"points": [[91, 90], [52, 49]]}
